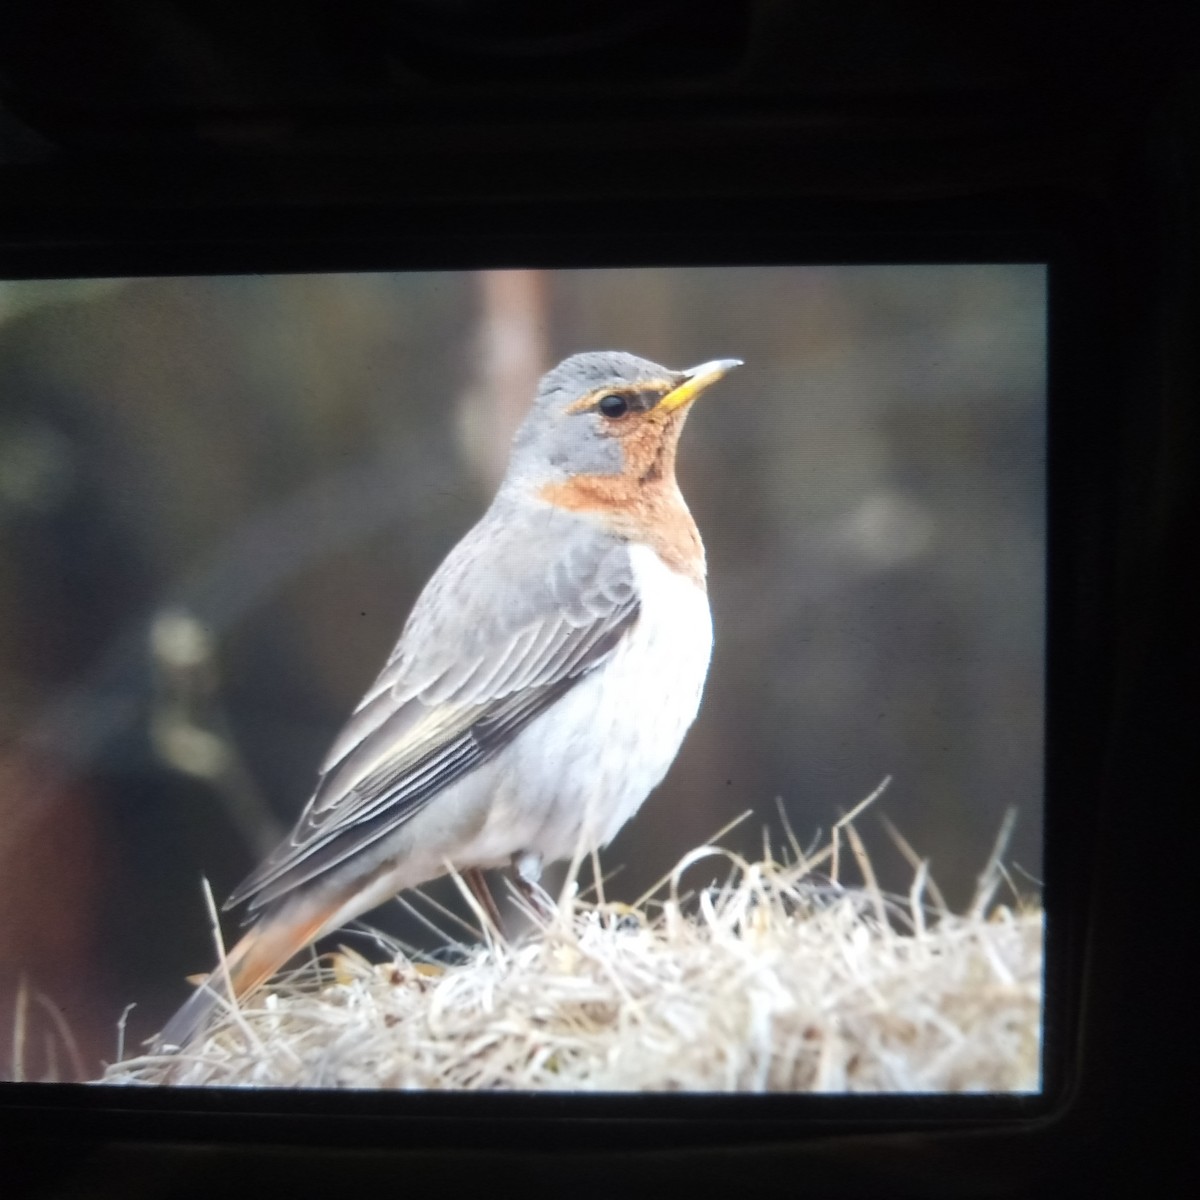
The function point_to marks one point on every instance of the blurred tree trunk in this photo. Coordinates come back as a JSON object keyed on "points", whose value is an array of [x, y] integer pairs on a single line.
{"points": [[511, 356], [54, 993]]}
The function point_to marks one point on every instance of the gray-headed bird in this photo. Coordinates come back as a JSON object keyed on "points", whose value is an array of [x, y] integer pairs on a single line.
{"points": [[539, 691]]}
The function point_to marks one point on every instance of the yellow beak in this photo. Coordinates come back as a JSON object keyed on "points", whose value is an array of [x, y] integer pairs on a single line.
{"points": [[696, 380]]}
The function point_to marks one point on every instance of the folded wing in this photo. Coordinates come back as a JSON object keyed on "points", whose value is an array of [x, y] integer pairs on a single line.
{"points": [[502, 630]]}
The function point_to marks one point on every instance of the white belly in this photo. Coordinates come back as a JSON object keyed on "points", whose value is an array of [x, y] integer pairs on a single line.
{"points": [[584, 767], [577, 773]]}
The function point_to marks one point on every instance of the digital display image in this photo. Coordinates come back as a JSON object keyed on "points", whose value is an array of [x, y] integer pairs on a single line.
{"points": [[595, 680]]}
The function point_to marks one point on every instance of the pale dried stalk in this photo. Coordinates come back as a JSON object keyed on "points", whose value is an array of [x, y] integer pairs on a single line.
{"points": [[770, 982]]}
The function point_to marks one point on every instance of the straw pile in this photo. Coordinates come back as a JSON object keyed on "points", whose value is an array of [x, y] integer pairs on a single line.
{"points": [[771, 981]]}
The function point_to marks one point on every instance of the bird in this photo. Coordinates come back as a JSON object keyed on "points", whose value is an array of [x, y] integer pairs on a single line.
{"points": [[540, 689]]}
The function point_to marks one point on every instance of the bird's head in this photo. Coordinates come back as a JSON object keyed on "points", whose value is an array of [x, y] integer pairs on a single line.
{"points": [[607, 414]]}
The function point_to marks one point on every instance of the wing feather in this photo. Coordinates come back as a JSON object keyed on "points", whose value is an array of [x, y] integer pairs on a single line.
{"points": [[495, 638]]}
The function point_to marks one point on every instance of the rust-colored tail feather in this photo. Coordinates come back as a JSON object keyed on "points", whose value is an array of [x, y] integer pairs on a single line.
{"points": [[264, 949]]}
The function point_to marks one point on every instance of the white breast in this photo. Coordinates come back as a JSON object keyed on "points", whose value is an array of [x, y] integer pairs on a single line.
{"points": [[585, 766], [578, 772]]}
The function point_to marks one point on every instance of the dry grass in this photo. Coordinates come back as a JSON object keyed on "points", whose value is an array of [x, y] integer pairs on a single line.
{"points": [[772, 981]]}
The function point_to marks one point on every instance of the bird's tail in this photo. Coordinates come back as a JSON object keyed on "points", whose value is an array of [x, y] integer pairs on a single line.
{"points": [[260, 953]]}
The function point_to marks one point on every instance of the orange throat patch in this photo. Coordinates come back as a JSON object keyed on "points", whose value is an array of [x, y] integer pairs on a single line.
{"points": [[643, 504]]}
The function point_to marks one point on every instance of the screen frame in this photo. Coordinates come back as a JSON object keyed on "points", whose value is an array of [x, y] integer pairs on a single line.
{"points": [[1084, 410]]}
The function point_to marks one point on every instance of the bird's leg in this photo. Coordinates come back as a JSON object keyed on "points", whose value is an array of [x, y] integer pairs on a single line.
{"points": [[527, 871], [475, 880]]}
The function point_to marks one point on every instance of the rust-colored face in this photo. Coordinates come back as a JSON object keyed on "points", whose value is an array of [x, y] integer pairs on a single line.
{"points": [[634, 492], [604, 413], [646, 416], [634, 417], [670, 393]]}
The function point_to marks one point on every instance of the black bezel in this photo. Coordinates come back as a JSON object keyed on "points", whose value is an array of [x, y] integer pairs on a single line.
{"points": [[1088, 468]]}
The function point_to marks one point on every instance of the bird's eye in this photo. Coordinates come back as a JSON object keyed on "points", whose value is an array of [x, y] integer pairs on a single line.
{"points": [[613, 406]]}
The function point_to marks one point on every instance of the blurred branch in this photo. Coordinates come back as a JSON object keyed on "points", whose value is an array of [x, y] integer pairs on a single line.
{"points": [[189, 729], [274, 545]]}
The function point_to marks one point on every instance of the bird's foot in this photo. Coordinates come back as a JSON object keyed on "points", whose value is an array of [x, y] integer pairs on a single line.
{"points": [[527, 872], [475, 879]]}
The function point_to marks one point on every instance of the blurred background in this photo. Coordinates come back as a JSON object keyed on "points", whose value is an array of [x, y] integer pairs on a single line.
{"points": [[219, 498]]}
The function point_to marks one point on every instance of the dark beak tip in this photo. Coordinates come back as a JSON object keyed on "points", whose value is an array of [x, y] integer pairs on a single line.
{"points": [[720, 366]]}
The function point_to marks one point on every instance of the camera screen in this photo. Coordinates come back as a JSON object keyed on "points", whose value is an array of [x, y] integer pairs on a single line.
{"points": [[595, 680]]}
